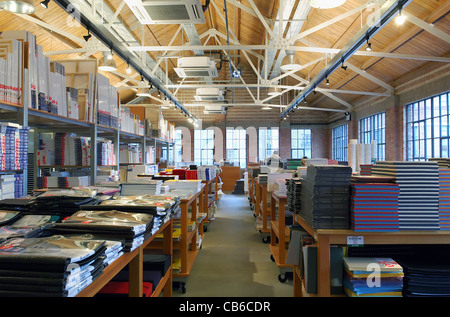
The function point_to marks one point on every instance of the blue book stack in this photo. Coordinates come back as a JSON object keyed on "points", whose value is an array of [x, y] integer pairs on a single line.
{"points": [[23, 147]]}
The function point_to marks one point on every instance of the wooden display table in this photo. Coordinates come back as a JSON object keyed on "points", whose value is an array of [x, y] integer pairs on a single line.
{"points": [[134, 259], [278, 230], [262, 211], [195, 201], [327, 237]]}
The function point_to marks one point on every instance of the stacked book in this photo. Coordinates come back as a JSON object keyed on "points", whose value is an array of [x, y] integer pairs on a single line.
{"points": [[53, 266], [141, 187], [132, 227], [62, 201], [365, 169], [206, 172], [184, 187], [369, 277], [426, 274], [293, 194], [25, 225], [442, 162], [418, 203], [105, 153], [262, 178], [7, 186], [325, 196], [444, 198], [374, 206]]}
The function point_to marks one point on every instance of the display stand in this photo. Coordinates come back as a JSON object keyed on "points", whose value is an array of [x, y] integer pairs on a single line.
{"points": [[327, 237], [135, 262], [188, 240], [279, 231], [262, 212]]}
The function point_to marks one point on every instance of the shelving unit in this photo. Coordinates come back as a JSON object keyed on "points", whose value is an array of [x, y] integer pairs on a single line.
{"points": [[262, 211], [187, 245], [134, 260], [327, 237], [279, 231], [207, 202]]}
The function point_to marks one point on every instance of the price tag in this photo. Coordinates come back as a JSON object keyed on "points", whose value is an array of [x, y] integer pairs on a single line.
{"points": [[355, 241]]}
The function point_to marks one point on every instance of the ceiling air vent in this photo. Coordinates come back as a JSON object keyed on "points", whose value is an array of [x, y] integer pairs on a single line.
{"points": [[214, 110], [167, 12], [209, 94], [196, 66]]}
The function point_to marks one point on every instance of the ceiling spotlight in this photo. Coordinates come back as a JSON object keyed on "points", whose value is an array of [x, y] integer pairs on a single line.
{"points": [[128, 70], [110, 56], [369, 46], [400, 19], [343, 67], [327, 82], [87, 37], [45, 3]]}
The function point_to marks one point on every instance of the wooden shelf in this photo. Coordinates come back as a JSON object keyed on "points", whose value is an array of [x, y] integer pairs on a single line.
{"points": [[135, 261], [327, 237], [278, 230]]}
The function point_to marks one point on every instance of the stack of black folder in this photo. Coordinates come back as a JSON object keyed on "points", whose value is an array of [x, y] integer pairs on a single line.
{"points": [[161, 207], [49, 266], [62, 201], [418, 203], [325, 196], [26, 225], [293, 194], [133, 228], [426, 276]]}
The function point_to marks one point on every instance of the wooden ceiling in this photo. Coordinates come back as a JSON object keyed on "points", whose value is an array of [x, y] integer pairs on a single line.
{"points": [[366, 76]]}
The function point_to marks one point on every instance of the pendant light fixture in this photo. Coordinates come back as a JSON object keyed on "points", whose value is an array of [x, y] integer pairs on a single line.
{"points": [[107, 64], [290, 61], [18, 6], [326, 4]]}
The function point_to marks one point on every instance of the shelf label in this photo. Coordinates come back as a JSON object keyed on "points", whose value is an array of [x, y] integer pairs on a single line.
{"points": [[355, 241]]}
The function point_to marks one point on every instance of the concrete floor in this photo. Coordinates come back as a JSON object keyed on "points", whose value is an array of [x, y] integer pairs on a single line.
{"points": [[233, 261]]}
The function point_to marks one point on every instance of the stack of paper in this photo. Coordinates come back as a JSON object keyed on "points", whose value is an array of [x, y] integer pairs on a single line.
{"points": [[365, 277], [52, 266], [426, 274], [444, 198], [374, 207], [279, 187], [325, 196], [25, 225], [184, 187], [141, 187], [105, 153], [7, 186], [134, 228], [418, 203], [442, 162], [293, 192], [366, 169]]}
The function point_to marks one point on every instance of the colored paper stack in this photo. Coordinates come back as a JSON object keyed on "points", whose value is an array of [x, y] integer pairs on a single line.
{"points": [[366, 169], [369, 277], [374, 206], [418, 201]]}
